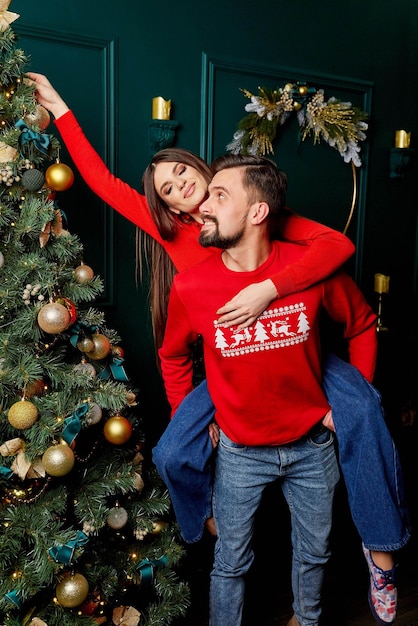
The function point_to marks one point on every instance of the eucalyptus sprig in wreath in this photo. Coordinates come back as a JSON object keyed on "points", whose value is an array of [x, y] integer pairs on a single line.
{"points": [[339, 124]]}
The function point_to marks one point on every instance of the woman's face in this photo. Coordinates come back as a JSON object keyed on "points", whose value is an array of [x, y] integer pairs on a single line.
{"points": [[182, 187]]}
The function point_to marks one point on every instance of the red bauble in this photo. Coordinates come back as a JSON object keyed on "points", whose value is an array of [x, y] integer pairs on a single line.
{"points": [[118, 352], [35, 388], [70, 306]]}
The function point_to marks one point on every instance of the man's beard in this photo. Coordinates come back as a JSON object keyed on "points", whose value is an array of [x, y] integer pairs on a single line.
{"points": [[216, 240]]}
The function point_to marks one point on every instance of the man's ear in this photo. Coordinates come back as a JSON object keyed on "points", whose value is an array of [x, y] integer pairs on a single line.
{"points": [[260, 212]]}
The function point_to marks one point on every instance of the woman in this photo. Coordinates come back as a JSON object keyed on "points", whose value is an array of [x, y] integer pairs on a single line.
{"points": [[171, 215], [175, 184]]}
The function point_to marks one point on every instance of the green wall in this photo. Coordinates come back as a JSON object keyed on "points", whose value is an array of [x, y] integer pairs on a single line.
{"points": [[109, 61]]}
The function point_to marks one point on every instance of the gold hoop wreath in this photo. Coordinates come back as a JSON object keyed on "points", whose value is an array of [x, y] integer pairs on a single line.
{"points": [[338, 123]]}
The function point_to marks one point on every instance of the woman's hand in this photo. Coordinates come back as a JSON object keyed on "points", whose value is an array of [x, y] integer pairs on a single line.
{"points": [[214, 434], [247, 305], [46, 95]]}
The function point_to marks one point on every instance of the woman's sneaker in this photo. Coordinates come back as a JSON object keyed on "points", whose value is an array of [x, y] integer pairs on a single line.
{"points": [[382, 593]]}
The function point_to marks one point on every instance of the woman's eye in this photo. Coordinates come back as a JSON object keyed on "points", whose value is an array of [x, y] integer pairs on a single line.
{"points": [[182, 169], [167, 190]]}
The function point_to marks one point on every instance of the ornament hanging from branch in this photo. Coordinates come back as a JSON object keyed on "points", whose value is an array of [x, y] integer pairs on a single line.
{"points": [[59, 177]]}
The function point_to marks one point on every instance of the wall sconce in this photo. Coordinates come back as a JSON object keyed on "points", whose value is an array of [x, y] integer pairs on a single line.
{"points": [[381, 286], [400, 155], [161, 132]]}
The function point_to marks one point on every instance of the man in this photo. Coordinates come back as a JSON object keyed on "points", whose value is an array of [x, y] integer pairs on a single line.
{"points": [[265, 382]]}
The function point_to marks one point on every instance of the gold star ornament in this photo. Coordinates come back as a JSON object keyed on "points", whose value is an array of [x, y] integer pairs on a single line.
{"points": [[6, 17]]}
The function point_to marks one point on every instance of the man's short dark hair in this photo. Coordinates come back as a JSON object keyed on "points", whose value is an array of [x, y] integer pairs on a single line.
{"points": [[262, 179]]}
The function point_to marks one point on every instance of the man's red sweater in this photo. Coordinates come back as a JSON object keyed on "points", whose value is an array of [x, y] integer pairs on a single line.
{"points": [[265, 381]]}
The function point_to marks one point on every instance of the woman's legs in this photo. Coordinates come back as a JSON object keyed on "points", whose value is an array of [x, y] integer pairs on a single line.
{"points": [[183, 460]]}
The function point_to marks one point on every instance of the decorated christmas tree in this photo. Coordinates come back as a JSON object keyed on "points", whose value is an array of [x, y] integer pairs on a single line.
{"points": [[86, 535]]}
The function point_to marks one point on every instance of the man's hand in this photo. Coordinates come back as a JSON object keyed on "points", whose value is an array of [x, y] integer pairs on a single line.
{"points": [[328, 422]]}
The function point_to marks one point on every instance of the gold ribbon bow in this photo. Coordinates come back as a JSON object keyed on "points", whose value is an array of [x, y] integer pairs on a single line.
{"points": [[126, 616], [54, 227], [21, 466], [8, 154]]}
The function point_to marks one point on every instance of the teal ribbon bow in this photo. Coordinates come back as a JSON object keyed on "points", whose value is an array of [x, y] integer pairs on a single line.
{"points": [[64, 553], [146, 567], [77, 329], [5, 472], [116, 370], [41, 142], [72, 424], [13, 597]]}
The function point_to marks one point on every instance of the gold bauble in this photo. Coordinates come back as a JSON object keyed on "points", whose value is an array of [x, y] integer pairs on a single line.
{"points": [[303, 90], [59, 177], [72, 591], [117, 430], [101, 349], [85, 344], [297, 106], [54, 318], [40, 118], [159, 526], [83, 274], [58, 460], [22, 414]]}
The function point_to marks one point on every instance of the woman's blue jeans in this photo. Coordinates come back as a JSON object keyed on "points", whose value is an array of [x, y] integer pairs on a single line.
{"points": [[308, 473]]}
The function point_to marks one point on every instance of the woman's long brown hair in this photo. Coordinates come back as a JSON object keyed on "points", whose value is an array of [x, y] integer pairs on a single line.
{"points": [[159, 265]]}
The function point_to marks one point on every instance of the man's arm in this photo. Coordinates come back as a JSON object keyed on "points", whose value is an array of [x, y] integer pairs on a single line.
{"points": [[175, 352]]}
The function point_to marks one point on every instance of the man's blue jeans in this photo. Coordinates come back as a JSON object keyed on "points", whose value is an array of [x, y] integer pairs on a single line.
{"points": [[308, 473]]}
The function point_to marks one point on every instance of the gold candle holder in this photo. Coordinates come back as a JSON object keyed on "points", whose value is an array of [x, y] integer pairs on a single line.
{"points": [[402, 139], [381, 286], [381, 283], [161, 109], [161, 132], [400, 154]]}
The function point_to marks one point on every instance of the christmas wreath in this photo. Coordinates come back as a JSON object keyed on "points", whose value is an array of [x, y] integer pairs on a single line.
{"points": [[339, 124]]}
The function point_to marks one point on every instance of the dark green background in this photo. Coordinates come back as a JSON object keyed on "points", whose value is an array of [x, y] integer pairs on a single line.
{"points": [[108, 60]]}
